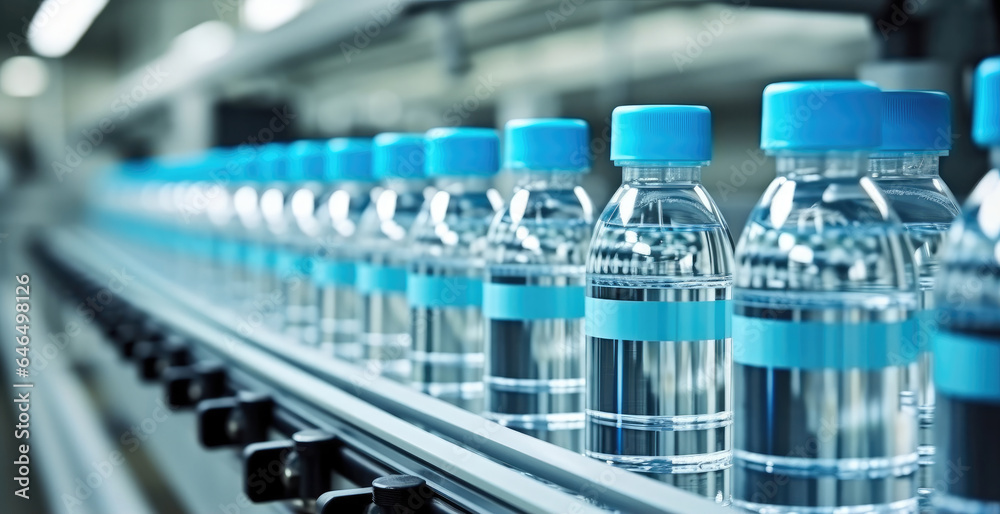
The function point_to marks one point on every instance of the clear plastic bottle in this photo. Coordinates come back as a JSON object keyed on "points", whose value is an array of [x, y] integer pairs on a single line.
{"points": [[245, 248], [398, 160], [221, 216], [445, 279], [916, 132], [299, 245], [967, 344], [659, 284], [273, 172], [534, 286], [824, 306], [338, 214]]}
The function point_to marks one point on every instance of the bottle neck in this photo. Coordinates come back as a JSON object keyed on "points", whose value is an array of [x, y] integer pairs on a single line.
{"points": [[908, 164], [661, 174], [538, 180], [463, 185], [828, 165]]}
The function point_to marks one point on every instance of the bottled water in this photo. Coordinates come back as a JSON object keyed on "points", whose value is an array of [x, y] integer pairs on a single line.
{"points": [[333, 272], [445, 280], [220, 210], [534, 287], [307, 162], [245, 248], [659, 285], [916, 131], [824, 306], [967, 345], [272, 171], [398, 160]]}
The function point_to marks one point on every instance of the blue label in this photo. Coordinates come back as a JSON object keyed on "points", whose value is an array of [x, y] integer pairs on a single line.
{"points": [[443, 291], [523, 302], [230, 252], [372, 278], [770, 343], [260, 258], [967, 366], [333, 273], [196, 245], [289, 263], [658, 321]]}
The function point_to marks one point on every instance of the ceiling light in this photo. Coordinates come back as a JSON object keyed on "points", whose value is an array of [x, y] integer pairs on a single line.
{"points": [[264, 15], [23, 76], [59, 24]]}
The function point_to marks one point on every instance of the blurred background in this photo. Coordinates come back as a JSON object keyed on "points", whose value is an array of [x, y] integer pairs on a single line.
{"points": [[85, 84]]}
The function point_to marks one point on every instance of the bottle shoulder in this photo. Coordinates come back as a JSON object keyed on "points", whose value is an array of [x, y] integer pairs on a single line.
{"points": [[542, 227], [922, 200], [673, 205], [825, 235], [674, 232], [969, 277], [389, 216], [450, 225]]}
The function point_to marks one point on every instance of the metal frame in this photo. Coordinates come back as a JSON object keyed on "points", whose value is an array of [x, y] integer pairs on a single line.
{"points": [[476, 461]]}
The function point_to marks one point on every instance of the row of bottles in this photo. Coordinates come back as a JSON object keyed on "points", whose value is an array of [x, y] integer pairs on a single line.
{"points": [[792, 373]]}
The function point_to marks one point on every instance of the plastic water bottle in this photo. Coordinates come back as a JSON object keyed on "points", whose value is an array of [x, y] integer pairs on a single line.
{"points": [[273, 172], [916, 132], [338, 214], [445, 280], [533, 292], [967, 345], [222, 176], [242, 247], [658, 308], [824, 308], [398, 160], [300, 244]]}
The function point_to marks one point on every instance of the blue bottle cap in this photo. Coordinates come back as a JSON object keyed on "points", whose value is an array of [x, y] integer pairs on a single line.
{"points": [[661, 133], [147, 167], [350, 159], [820, 115], [307, 160], [398, 155], [916, 121], [272, 160], [214, 165], [986, 103], [462, 152], [546, 144]]}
